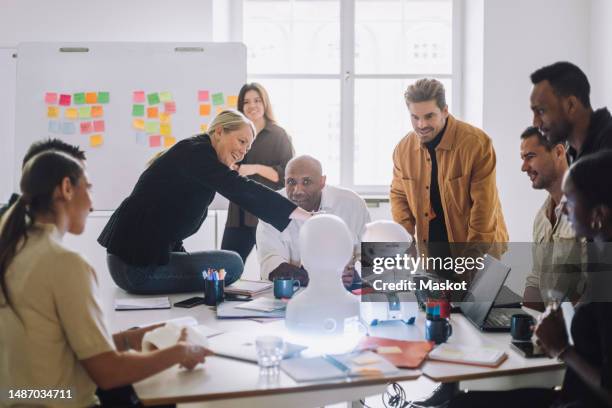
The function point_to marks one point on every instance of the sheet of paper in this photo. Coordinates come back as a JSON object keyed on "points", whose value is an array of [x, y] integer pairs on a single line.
{"points": [[138, 110], [98, 126], [152, 113], [205, 109], [97, 111], [51, 98], [165, 129], [164, 118], [68, 128], [165, 96], [103, 97], [71, 113], [169, 141], [79, 98], [153, 98], [142, 138], [54, 126], [86, 128], [138, 124], [138, 97], [263, 304], [85, 112], [388, 350], [91, 97], [218, 98], [96, 140], [64, 100], [142, 303], [155, 141], [152, 127], [52, 112], [232, 101], [203, 96], [170, 107]]}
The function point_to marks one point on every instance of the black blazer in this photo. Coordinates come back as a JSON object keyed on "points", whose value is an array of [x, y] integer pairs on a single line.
{"points": [[171, 198]]}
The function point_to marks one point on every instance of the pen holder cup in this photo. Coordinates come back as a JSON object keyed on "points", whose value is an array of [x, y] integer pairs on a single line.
{"points": [[213, 292]]}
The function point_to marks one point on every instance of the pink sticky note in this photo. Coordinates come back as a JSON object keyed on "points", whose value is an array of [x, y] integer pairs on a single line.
{"points": [[86, 128], [139, 96], [98, 126], [154, 141], [64, 100], [51, 98], [170, 107], [203, 96]]}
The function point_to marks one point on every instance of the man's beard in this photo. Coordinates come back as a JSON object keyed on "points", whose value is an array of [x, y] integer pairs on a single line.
{"points": [[561, 133]]}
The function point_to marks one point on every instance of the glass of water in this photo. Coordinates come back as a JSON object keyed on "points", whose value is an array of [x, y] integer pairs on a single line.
{"points": [[269, 352]]}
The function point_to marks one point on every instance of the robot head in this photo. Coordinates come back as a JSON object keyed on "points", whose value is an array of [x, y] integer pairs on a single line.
{"points": [[326, 247]]}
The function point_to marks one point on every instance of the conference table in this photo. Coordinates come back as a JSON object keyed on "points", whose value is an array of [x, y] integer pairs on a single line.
{"points": [[225, 382]]}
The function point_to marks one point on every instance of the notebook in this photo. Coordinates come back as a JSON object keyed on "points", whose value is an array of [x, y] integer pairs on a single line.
{"points": [[401, 353], [248, 287], [470, 355], [337, 366], [233, 310], [263, 304], [142, 303]]}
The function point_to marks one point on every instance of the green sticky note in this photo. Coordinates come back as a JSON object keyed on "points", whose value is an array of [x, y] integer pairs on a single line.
{"points": [[153, 98], [103, 97], [137, 110], [217, 98], [85, 112], [165, 96], [79, 98], [152, 127]]}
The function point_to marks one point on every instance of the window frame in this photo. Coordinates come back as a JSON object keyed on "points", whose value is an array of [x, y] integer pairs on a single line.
{"points": [[347, 76]]}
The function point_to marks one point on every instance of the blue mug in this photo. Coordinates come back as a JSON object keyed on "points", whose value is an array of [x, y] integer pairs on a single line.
{"points": [[285, 288], [438, 330]]}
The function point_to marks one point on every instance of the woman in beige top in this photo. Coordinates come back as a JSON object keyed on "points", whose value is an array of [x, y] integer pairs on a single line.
{"points": [[53, 333]]}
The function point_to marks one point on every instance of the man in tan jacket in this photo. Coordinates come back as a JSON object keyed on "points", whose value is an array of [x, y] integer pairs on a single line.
{"points": [[444, 187]]}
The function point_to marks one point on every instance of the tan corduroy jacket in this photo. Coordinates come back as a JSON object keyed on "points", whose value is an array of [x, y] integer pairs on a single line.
{"points": [[466, 178]]}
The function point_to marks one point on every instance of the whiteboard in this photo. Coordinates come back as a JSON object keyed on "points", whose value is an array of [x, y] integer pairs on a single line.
{"points": [[8, 68], [56, 80]]}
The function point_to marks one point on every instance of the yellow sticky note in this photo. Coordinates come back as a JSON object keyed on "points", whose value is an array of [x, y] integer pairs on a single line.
{"points": [[388, 350], [203, 127], [52, 112], [96, 140], [165, 129], [164, 118], [232, 101], [91, 97], [169, 141], [219, 109], [71, 113], [97, 111], [138, 124]]}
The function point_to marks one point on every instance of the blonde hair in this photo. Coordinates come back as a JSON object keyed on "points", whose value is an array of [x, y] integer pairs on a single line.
{"points": [[265, 98], [425, 90], [230, 120]]}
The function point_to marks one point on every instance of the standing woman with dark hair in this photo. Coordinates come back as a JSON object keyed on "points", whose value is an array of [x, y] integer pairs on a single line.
{"points": [[264, 163], [53, 334]]}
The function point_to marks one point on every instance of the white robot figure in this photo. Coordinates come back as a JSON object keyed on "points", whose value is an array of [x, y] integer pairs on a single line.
{"points": [[325, 307]]}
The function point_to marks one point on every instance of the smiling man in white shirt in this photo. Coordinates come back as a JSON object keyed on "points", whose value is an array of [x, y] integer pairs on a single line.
{"points": [[278, 252]]}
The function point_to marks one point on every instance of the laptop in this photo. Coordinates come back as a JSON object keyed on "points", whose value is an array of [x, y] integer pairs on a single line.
{"points": [[477, 306]]}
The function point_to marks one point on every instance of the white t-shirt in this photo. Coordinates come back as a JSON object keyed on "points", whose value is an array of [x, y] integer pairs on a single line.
{"points": [[275, 248], [55, 321]]}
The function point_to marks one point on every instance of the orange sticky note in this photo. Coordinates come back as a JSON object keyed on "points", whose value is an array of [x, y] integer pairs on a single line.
{"points": [[152, 113], [203, 127], [232, 101], [164, 118], [138, 124], [52, 112], [96, 140], [165, 129], [97, 111], [154, 141], [91, 97], [169, 141], [219, 109], [205, 109], [71, 113]]}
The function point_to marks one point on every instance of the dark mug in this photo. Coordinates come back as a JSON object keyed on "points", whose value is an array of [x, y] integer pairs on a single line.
{"points": [[438, 330], [214, 291], [285, 288], [521, 327]]}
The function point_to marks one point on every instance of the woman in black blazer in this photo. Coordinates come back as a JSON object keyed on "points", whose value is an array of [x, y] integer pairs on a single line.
{"points": [[170, 202]]}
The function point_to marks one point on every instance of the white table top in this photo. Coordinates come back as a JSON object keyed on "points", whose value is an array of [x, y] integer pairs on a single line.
{"points": [[221, 378]]}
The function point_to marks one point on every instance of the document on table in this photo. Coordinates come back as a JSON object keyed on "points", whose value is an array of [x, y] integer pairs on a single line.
{"points": [[142, 303], [263, 304]]}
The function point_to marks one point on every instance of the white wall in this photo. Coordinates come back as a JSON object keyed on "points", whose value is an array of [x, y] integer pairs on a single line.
{"points": [[600, 55], [109, 20], [519, 37]]}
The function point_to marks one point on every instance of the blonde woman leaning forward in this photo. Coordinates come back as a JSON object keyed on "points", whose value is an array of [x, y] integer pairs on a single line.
{"points": [[170, 202], [53, 334]]}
